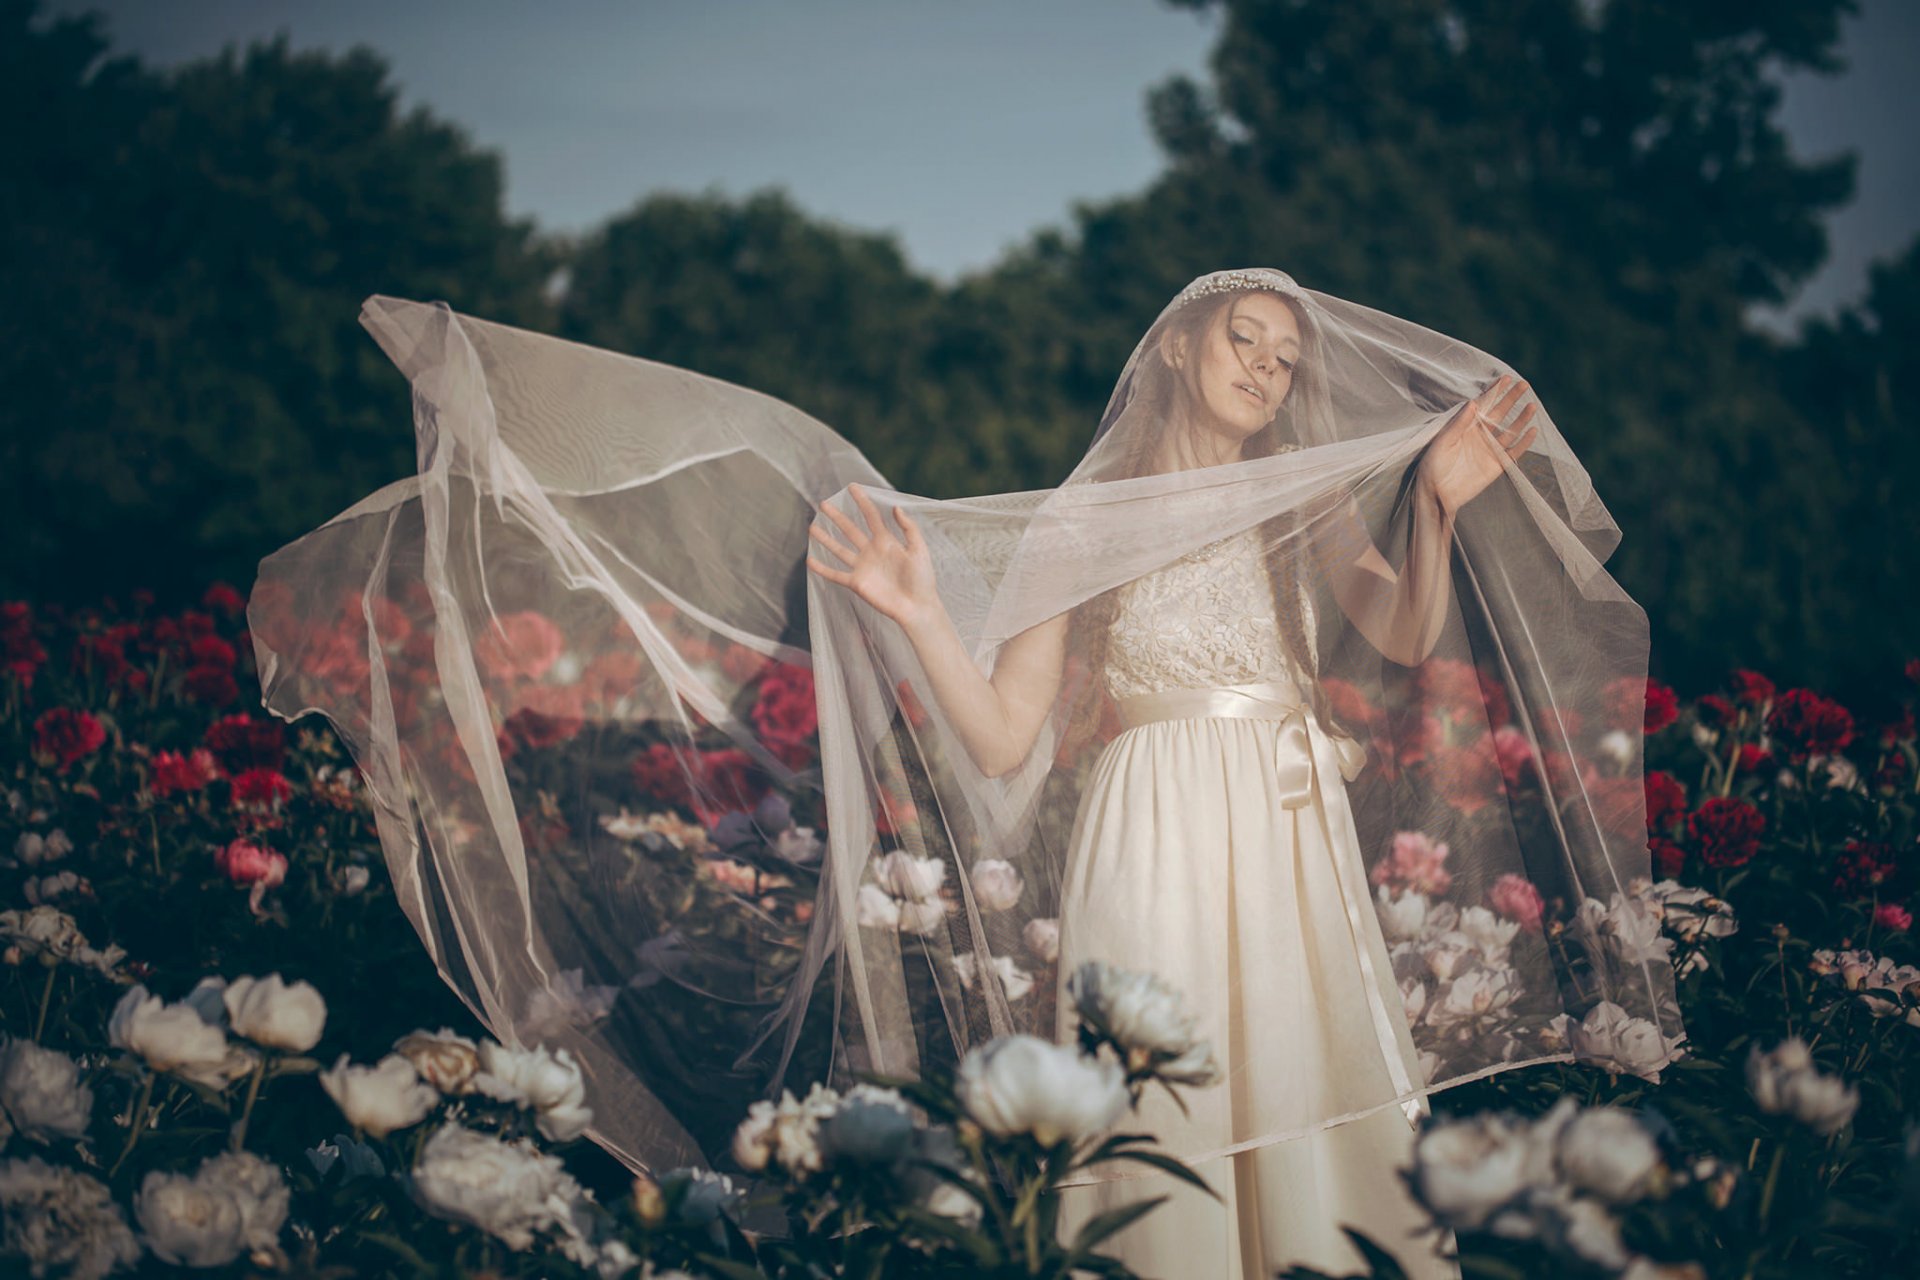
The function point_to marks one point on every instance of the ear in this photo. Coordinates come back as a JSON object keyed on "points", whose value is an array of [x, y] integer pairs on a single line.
{"points": [[1173, 349]]}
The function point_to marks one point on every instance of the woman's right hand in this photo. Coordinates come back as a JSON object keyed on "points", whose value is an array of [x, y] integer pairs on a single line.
{"points": [[893, 574]]}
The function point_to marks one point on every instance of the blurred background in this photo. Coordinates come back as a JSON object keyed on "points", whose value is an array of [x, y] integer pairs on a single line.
{"points": [[940, 228]]}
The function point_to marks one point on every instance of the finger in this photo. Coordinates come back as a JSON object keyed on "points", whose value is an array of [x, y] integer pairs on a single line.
{"points": [[909, 528], [855, 534], [1514, 428], [831, 575], [826, 540], [1525, 443], [1515, 394], [868, 509]]}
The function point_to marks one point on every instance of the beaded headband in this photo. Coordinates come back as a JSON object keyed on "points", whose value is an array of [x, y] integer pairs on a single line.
{"points": [[1244, 278]]}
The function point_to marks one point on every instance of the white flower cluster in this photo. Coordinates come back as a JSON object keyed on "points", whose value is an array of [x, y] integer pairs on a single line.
{"points": [[62, 1222], [188, 1039], [792, 1135], [904, 894], [515, 1192], [1146, 1020], [404, 1087], [1555, 1179], [52, 934], [31, 849], [41, 1093], [1785, 1082], [1021, 1084], [233, 1203], [1014, 980], [1688, 914], [1454, 966], [1859, 970]]}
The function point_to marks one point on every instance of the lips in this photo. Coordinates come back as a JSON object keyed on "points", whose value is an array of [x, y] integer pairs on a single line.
{"points": [[1252, 391]]}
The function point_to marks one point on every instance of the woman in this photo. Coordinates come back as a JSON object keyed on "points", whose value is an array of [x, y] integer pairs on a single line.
{"points": [[1306, 690], [1229, 358]]}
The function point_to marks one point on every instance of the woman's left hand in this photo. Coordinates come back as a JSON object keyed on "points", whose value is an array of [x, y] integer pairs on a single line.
{"points": [[1464, 459]]}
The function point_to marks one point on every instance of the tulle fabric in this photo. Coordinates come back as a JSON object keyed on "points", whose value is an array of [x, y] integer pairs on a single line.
{"points": [[652, 793]]}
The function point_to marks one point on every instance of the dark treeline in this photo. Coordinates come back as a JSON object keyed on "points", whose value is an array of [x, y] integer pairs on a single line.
{"points": [[1595, 192]]}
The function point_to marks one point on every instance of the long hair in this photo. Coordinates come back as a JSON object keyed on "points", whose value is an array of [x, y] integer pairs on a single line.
{"points": [[1167, 400]]}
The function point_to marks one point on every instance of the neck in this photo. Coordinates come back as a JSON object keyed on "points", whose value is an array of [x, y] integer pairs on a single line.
{"points": [[1192, 445]]}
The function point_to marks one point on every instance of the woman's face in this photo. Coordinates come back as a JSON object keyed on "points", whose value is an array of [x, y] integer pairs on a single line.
{"points": [[1244, 363]]}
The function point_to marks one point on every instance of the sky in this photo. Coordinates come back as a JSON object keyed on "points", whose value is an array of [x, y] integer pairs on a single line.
{"points": [[960, 127]]}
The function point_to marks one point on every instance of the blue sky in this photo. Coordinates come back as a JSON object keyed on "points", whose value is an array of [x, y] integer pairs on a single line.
{"points": [[961, 127]]}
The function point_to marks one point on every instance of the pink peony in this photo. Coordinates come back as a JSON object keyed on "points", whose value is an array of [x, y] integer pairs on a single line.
{"points": [[1415, 862], [1891, 915], [244, 862], [1515, 897]]}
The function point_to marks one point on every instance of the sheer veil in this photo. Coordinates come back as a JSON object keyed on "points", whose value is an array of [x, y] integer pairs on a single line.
{"points": [[651, 792]]}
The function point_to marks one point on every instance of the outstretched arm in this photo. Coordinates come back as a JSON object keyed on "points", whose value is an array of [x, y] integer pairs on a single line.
{"points": [[1402, 612], [997, 720]]}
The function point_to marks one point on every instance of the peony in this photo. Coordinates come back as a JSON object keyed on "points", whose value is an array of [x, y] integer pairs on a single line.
{"points": [[1021, 1084], [1785, 1081], [1611, 1038], [547, 1082], [1608, 1152], [1146, 1019], [52, 934], [1016, 981], [1416, 861], [444, 1060], [510, 1190], [40, 1090], [67, 735], [382, 1098], [786, 1134], [182, 1039], [258, 1187], [876, 908], [905, 876], [1402, 915], [62, 1222], [1728, 831], [922, 916], [1465, 1170], [1492, 935], [1515, 897], [996, 884], [1479, 993], [1042, 936], [267, 1011], [244, 862]]}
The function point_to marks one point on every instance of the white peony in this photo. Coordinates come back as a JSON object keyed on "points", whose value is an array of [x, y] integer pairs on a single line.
{"points": [[876, 908], [258, 1187], [510, 1190], [786, 1133], [1608, 1152], [51, 933], [996, 884], [1466, 1170], [444, 1060], [1478, 993], [1786, 1082], [63, 1222], [565, 1002], [1022, 1084], [1616, 747], [48, 888], [905, 876], [177, 1038], [921, 917], [382, 1098], [1403, 915], [268, 1011], [40, 1091], [1042, 936], [1611, 1038], [189, 1222], [545, 1081], [1491, 934], [1016, 981]]}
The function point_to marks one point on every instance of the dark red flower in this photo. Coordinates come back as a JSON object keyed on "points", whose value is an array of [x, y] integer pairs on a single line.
{"points": [[1666, 800], [547, 716], [1669, 859], [261, 789], [173, 772], [67, 735], [1714, 711], [1751, 687], [214, 686], [241, 743], [1864, 867], [1727, 829], [519, 645], [785, 713], [19, 650], [1752, 758], [1808, 723], [211, 651], [1663, 707], [223, 597], [1898, 728]]}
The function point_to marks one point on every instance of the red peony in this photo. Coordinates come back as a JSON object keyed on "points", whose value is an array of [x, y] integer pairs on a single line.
{"points": [[1864, 867], [212, 685], [211, 651], [1752, 758], [244, 862], [521, 645], [1728, 830], [547, 716], [67, 735], [1666, 800], [172, 772], [1515, 897], [1663, 708], [260, 789], [1468, 778], [1714, 711], [786, 715], [1808, 723], [223, 597], [1891, 915], [1751, 688], [1669, 859], [19, 650], [241, 742]]}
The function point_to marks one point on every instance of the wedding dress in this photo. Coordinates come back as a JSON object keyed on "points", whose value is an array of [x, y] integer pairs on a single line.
{"points": [[1187, 861]]}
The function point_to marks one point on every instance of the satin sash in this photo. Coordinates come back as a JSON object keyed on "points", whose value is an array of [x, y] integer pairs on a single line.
{"points": [[1306, 758]]}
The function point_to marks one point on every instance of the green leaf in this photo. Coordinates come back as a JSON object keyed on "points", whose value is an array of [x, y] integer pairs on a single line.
{"points": [[1108, 1223]]}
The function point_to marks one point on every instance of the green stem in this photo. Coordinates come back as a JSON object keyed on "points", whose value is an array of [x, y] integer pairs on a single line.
{"points": [[1773, 1180], [246, 1109], [139, 1123], [46, 998]]}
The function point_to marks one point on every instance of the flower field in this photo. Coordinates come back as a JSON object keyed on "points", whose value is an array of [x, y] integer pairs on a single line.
{"points": [[224, 1048]]}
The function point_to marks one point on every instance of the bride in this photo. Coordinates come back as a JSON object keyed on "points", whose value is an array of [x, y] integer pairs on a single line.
{"points": [[1306, 691], [1186, 857]]}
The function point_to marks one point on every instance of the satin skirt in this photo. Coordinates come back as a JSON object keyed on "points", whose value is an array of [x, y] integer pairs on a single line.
{"points": [[1197, 854]]}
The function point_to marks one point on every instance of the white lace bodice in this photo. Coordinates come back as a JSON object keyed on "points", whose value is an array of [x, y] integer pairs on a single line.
{"points": [[1204, 620]]}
